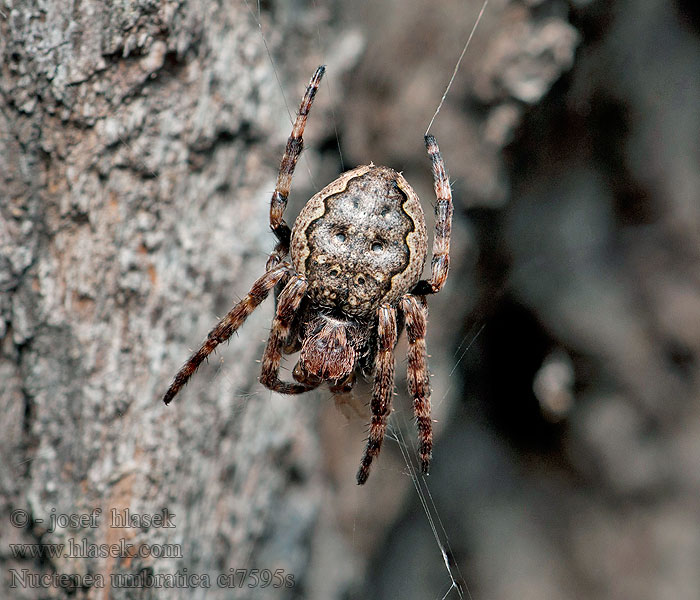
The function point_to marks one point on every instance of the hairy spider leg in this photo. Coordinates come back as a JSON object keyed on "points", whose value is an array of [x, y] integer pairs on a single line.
{"points": [[225, 328], [287, 306], [295, 144], [418, 378], [443, 224], [383, 388]]}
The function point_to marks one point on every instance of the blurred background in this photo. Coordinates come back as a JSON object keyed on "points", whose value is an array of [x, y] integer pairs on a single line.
{"points": [[140, 146]]}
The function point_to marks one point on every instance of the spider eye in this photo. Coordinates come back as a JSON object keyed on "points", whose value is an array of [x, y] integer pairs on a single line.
{"points": [[385, 211], [377, 247], [340, 237], [334, 272]]}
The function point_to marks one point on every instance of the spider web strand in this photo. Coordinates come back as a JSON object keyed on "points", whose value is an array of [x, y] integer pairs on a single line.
{"points": [[430, 508], [459, 61]]}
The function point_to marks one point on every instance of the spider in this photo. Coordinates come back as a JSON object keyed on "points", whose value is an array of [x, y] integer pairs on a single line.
{"points": [[357, 249]]}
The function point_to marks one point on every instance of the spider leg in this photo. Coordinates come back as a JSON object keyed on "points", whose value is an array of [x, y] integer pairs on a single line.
{"points": [[443, 224], [383, 388], [287, 305], [230, 323], [295, 143], [417, 375]]}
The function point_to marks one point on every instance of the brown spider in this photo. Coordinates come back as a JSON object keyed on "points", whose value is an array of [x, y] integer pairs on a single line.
{"points": [[357, 249]]}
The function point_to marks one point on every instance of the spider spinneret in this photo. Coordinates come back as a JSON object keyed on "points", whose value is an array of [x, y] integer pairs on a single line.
{"points": [[357, 252]]}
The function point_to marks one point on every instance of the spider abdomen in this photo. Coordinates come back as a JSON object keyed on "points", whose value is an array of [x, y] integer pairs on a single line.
{"points": [[361, 241]]}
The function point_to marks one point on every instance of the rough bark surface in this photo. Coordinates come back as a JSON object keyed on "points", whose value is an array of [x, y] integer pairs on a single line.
{"points": [[140, 142]]}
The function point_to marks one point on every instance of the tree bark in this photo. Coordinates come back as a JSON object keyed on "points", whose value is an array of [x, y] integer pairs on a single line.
{"points": [[139, 149]]}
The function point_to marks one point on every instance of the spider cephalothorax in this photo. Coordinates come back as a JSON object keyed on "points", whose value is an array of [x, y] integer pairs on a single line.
{"points": [[358, 249]]}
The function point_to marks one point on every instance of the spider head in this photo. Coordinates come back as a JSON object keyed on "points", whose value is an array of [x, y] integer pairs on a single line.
{"points": [[326, 353]]}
